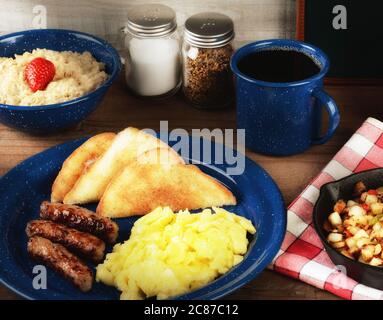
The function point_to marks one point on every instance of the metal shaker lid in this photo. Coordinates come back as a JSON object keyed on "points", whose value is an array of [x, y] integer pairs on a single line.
{"points": [[209, 30], [151, 20]]}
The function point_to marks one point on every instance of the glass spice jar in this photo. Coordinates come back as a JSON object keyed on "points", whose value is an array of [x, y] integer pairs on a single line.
{"points": [[152, 51], [206, 51]]}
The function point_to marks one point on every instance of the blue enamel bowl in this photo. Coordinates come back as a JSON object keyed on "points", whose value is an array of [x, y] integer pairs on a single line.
{"points": [[60, 116]]}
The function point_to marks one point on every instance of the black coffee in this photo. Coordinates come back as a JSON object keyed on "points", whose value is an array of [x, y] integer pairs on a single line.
{"points": [[278, 66]]}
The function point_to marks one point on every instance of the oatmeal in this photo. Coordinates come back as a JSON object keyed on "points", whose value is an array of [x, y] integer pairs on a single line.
{"points": [[76, 74]]}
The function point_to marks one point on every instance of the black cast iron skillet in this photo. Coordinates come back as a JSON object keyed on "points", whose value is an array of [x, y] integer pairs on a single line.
{"points": [[329, 194]]}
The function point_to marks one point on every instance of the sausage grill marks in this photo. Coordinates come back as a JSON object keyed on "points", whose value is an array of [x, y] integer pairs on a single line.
{"points": [[81, 219], [79, 242]]}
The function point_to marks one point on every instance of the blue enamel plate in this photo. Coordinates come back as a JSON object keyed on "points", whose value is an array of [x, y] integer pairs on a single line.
{"points": [[23, 189]]}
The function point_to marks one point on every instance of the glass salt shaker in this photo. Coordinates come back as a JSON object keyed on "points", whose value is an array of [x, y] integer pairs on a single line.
{"points": [[152, 51], [206, 51]]}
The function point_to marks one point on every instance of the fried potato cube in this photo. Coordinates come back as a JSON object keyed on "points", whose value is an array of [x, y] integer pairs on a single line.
{"points": [[335, 219], [353, 229], [351, 203], [371, 198], [351, 242], [338, 245], [335, 237], [376, 262], [360, 243], [377, 208], [368, 252], [347, 254], [356, 211]]}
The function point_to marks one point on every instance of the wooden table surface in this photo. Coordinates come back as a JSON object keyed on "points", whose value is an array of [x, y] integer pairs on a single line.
{"points": [[119, 110]]}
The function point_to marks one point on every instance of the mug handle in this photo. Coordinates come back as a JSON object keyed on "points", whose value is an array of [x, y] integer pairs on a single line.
{"points": [[333, 112]]}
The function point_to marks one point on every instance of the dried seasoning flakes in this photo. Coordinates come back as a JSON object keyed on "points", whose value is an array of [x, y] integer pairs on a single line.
{"points": [[208, 79]]}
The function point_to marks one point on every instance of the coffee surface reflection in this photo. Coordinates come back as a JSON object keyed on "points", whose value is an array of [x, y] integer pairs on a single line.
{"points": [[278, 66]]}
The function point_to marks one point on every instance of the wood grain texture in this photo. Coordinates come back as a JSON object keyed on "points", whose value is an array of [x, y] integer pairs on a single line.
{"points": [[119, 110], [253, 19]]}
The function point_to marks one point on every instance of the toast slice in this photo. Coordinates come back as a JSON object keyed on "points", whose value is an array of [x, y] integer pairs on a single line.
{"points": [[141, 188], [164, 156], [78, 162], [126, 147]]}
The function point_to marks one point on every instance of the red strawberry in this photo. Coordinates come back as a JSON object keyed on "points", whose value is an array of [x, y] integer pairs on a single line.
{"points": [[39, 73]]}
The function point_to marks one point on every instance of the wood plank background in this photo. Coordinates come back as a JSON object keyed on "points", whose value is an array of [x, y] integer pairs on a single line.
{"points": [[254, 19]]}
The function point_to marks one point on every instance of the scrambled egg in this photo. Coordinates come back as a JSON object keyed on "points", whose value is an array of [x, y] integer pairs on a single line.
{"points": [[169, 253]]}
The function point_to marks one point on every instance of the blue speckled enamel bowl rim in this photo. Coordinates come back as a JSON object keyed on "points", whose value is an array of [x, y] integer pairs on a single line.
{"points": [[116, 70], [317, 53]]}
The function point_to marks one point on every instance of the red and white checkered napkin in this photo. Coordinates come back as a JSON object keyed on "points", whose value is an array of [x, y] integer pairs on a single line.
{"points": [[302, 255]]}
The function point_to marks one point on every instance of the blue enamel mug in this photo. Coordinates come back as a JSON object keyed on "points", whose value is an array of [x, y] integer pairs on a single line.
{"points": [[283, 118]]}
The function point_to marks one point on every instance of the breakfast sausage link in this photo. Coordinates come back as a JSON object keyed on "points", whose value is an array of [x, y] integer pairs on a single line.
{"points": [[62, 261], [83, 243], [81, 219]]}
